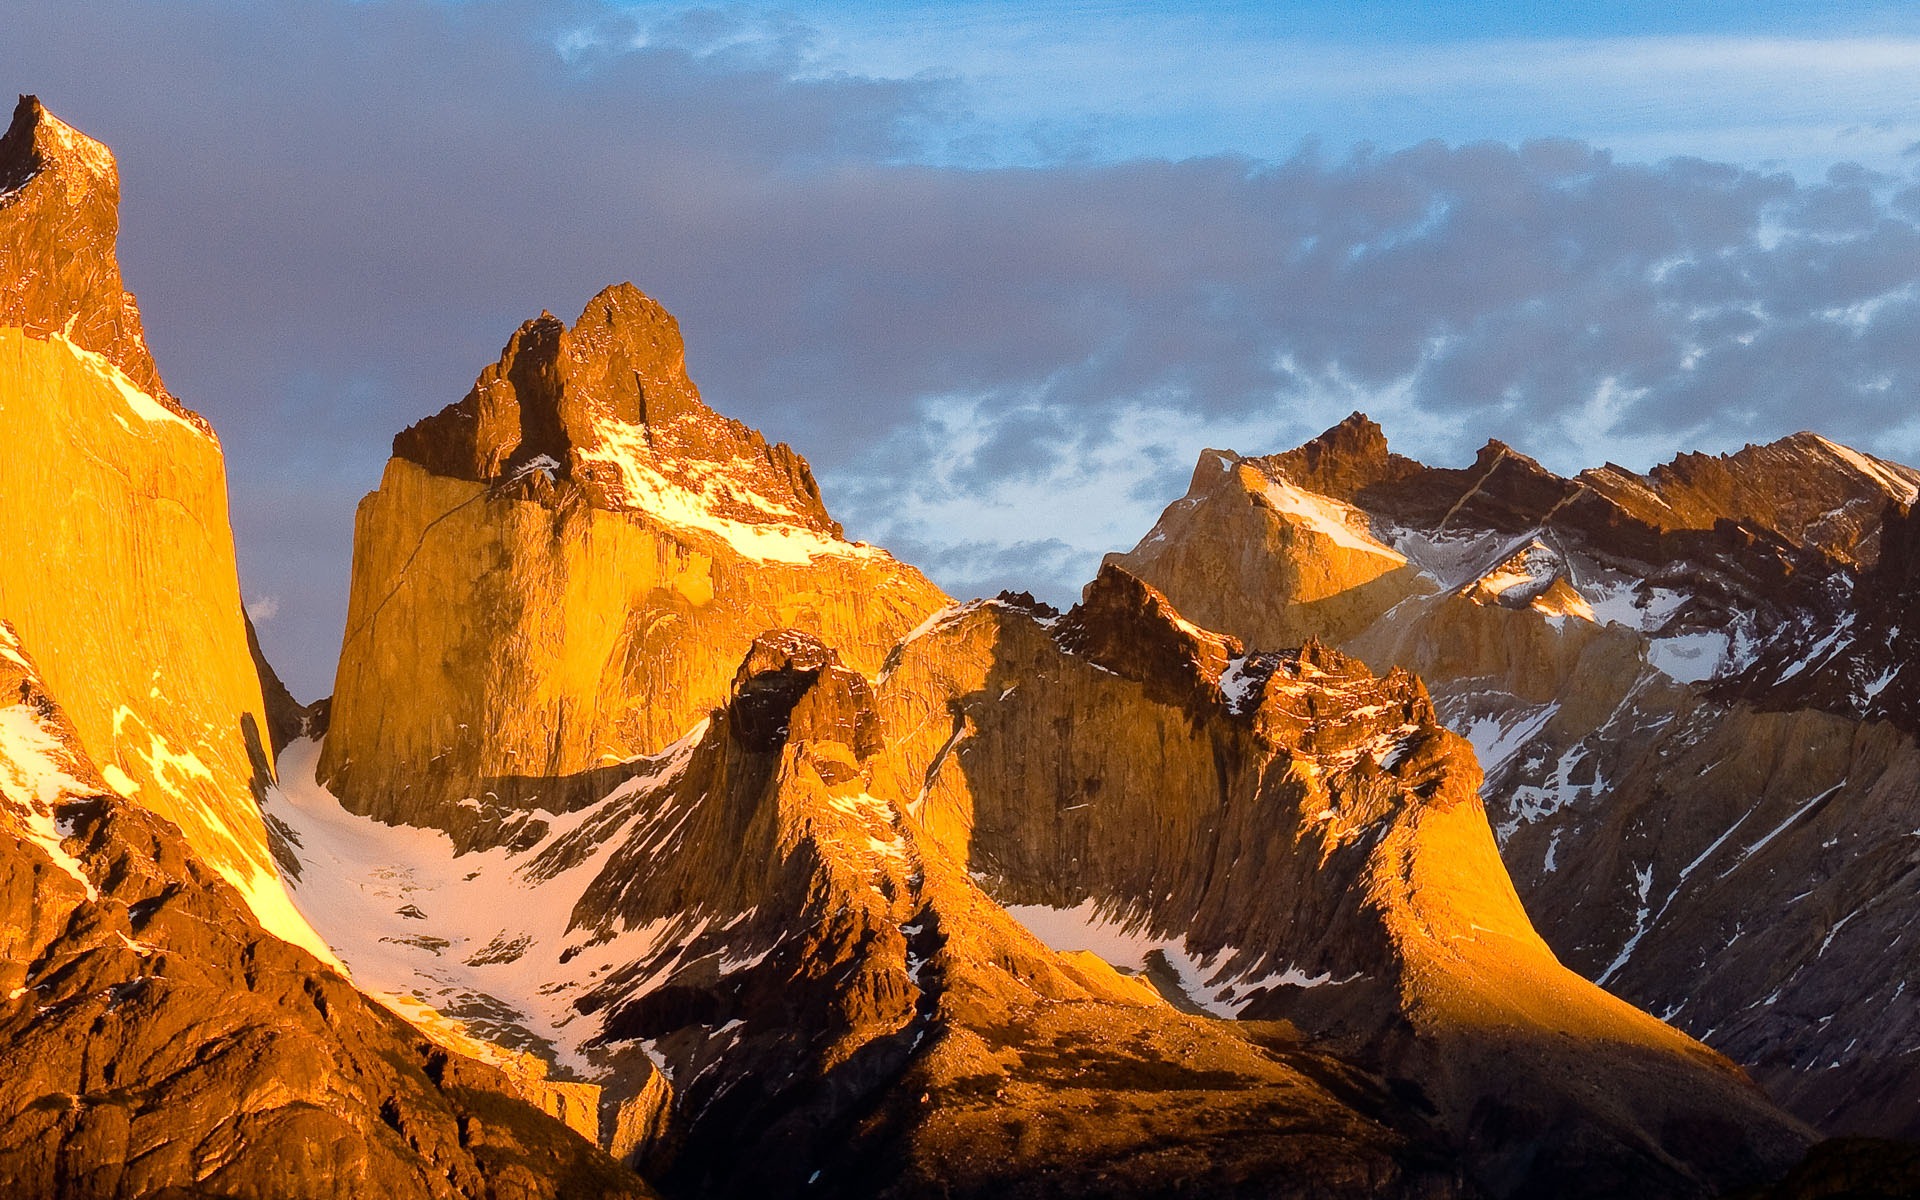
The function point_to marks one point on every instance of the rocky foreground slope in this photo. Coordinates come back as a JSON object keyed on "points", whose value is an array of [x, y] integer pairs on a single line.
{"points": [[1686, 690], [153, 1036]]}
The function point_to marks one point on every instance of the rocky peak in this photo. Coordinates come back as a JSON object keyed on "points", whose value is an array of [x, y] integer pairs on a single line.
{"points": [[1533, 576], [1321, 704], [1804, 490], [1341, 462], [1128, 627], [59, 219], [792, 687], [606, 408]]}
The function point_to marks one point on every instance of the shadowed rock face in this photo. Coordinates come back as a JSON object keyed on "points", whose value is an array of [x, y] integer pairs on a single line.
{"points": [[1866, 665], [153, 1037], [1665, 678], [562, 571]]}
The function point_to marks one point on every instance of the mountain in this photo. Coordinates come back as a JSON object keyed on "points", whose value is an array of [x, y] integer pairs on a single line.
{"points": [[808, 869], [562, 571], [660, 840], [1284, 836], [1685, 690], [139, 631], [157, 1034]]}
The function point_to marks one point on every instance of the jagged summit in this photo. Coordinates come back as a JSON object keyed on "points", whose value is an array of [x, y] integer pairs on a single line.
{"points": [[38, 141], [562, 570], [59, 218], [606, 406], [1126, 625], [1665, 675], [1803, 488], [1347, 458]]}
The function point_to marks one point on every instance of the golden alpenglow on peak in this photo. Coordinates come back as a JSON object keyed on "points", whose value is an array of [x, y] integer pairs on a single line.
{"points": [[562, 570], [119, 493]]}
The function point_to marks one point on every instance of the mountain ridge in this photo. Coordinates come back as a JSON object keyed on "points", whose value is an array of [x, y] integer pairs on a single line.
{"points": [[1610, 653]]}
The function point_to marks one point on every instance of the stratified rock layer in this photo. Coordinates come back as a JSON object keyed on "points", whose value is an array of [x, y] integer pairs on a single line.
{"points": [[561, 572], [120, 563]]}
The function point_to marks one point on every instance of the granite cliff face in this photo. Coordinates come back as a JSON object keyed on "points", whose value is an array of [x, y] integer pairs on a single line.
{"points": [[117, 495], [1675, 686], [562, 570]]}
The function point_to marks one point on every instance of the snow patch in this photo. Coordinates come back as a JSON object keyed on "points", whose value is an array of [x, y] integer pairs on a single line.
{"points": [[1237, 683], [115, 380], [1690, 657], [1342, 524], [1497, 738], [780, 539], [34, 776], [1881, 474], [358, 875], [1127, 947]]}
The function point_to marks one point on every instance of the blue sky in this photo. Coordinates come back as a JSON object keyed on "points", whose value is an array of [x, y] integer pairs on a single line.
{"points": [[1002, 271], [1799, 85]]}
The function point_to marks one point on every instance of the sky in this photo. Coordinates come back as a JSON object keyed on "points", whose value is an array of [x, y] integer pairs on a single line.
{"points": [[1001, 271]]}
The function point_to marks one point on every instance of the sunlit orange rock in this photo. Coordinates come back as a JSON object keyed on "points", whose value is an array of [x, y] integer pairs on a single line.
{"points": [[562, 571]]}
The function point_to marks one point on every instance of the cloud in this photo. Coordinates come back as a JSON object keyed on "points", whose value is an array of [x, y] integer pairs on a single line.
{"points": [[340, 211], [263, 609]]}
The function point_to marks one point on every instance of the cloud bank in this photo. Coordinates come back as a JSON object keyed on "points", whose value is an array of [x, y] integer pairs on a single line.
{"points": [[336, 214]]}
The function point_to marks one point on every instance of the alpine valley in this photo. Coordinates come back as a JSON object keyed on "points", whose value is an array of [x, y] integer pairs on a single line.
{"points": [[1368, 829]]}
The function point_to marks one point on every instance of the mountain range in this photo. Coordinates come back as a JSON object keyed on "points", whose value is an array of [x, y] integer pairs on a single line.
{"points": [[1368, 829]]}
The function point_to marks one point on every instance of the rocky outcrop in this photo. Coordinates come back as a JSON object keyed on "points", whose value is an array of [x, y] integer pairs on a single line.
{"points": [[1296, 839], [1241, 531], [154, 1040], [609, 406], [59, 218], [1605, 641], [140, 629], [562, 570], [1804, 489], [1867, 663]]}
